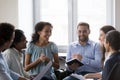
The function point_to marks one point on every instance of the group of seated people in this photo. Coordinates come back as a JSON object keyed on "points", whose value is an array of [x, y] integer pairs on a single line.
{"points": [[98, 58]]}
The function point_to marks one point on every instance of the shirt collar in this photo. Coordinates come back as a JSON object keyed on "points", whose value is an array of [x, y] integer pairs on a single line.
{"points": [[88, 43], [20, 53]]}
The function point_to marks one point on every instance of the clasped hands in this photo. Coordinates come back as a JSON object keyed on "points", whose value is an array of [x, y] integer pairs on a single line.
{"points": [[77, 56], [44, 58]]}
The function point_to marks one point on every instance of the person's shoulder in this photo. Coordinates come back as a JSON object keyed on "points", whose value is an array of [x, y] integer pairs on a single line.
{"points": [[116, 56], [93, 43], [52, 43], [74, 43], [9, 54], [8, 51], [31, 45]]}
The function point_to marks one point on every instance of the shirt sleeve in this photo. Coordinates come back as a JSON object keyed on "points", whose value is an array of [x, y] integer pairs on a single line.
{"points": [[8, 57], [29, 48], [68, 57], [96, 62], [54, 48], [4, 75]]}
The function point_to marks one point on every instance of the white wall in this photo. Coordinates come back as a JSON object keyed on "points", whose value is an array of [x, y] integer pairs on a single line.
{"points": [[9, 11], [18, 13], [25, 12]]}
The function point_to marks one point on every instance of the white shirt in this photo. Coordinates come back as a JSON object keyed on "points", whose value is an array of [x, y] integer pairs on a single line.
{"points": [[107, 55], [14, 60]]}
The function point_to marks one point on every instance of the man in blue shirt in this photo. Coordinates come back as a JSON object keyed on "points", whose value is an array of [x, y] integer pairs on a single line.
{"points": [[85, 50]]}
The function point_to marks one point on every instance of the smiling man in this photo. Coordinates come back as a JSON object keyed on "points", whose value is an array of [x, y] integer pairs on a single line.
{"points": [[85, 50]]}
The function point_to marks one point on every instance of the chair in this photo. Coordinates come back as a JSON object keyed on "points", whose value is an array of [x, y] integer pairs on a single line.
{"points": [[115, 72]]}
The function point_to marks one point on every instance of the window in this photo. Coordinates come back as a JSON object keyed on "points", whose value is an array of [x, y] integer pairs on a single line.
{"points": [[57, 14], [64, 15], [93, 12]]}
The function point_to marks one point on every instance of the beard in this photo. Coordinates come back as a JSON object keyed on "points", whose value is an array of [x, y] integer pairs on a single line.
{"points": [[83, 39]]}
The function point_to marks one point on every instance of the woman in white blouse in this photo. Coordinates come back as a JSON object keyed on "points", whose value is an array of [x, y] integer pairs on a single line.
{"points": [[14, 55], [103, 32]]}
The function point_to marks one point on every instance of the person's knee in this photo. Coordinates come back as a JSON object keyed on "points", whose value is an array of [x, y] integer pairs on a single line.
{"points": [[66, 78], [70, 78]]}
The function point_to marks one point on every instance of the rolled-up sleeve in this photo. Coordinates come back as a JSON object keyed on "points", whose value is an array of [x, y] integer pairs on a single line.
{"points": [[4, 76], [7, 75], [5, 72], [68, 57], [96, 62]]}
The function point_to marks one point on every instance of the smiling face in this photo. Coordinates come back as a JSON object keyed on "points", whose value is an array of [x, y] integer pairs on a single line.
{"points": [[102, 37], [45, 33], [107, 46], [22, 43], [83, 33]]}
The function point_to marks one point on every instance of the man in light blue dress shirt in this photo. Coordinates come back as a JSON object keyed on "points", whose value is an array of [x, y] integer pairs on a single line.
{"points": [[85, 50]]}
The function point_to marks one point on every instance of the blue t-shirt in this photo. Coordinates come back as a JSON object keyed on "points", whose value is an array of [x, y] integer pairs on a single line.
{"points": [[36, 51]]}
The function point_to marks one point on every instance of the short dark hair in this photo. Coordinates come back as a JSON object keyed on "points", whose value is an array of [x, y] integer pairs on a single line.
{"points": [[83, 24], [18, 35], [6, 32], [113, 38]]}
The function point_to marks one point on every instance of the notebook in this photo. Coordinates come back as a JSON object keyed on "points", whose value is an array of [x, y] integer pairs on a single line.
{"points": [[70, 62], [43, 71]]}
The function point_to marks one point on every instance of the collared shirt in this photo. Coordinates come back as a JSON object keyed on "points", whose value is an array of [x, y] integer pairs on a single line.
{"points": [[14, 60], [5, 72], [91, 55]]}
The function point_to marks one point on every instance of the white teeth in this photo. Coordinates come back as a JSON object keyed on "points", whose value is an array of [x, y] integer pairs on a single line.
{"points": [[47, 36]]}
